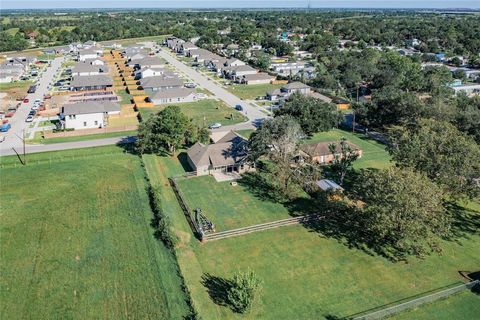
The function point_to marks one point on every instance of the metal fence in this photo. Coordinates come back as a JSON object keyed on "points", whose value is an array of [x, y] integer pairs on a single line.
{"points": [[431, 297]]}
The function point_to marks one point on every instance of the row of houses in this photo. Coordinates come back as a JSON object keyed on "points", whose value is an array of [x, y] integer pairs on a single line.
{"points": [[159, 83], [228, 68]]}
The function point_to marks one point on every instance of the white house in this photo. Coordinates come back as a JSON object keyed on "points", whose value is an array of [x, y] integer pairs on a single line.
{"points": [[88, 115], [233, 62], [95, 62], [88, 54], [146, 72], [173, 95], [236, 73], [468, 89]]}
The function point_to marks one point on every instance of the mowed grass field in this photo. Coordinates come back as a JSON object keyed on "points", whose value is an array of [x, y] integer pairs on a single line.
{"points": [[229, 207], [465, 305], [250, 92], [307, 274], [374, 153], [76, 241], [203, 112]]}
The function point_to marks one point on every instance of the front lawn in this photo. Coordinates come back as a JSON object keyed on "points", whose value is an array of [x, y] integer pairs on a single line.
{"points": [[16, 85], [203, 112], [308, 271], [77, 242], [252, 91], [374, 153]]}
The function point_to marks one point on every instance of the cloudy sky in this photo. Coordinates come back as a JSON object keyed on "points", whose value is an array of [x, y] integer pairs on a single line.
{"points": [[31, 4]]}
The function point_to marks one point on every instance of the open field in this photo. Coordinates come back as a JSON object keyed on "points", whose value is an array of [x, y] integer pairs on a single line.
{"points": [[465, 305], [250, 92], [305, 269], [77, 242], [374, 153], [203, 112]]}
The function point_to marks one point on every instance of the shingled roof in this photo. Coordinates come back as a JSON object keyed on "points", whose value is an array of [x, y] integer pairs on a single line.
{"points": [[90, 107], [230, 150], [321, 148]]}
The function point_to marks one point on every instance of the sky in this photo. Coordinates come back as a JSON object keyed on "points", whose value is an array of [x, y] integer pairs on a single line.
{"points": [[46, 4]]}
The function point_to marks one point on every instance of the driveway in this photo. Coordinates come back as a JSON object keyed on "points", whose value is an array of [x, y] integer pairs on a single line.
{"points": [[251, 112], [13, 138]]}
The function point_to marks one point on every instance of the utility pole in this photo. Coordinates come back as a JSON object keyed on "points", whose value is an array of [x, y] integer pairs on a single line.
{"points": [[24, 152]]}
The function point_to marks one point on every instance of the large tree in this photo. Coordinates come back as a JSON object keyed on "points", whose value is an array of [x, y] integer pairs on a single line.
{"points": [[442, 152], [390, 106], [278, 140], [164, 132], [343, 158], [313, 115], [403, 211]]}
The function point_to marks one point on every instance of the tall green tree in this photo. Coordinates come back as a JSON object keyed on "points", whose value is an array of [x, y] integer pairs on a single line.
{"points": [[313, 115], [164, 132], [278, 140], [343, 158], [442, 152], [403, 211]]}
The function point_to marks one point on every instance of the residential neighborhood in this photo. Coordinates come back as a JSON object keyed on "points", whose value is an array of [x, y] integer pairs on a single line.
{"points": [[270, 160]]}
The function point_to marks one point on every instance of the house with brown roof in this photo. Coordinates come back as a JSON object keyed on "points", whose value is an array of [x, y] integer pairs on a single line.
{"points": [[320, 152], [227, 155]]}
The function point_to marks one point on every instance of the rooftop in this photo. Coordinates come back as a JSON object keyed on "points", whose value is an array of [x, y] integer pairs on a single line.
{"points": [[90, 107]]}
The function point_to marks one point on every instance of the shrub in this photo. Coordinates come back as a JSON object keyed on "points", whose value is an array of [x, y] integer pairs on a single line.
{"points": [[243, 290]]}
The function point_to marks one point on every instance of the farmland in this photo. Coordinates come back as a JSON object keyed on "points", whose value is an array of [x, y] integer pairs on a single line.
{"points": [[79, 244], [306, 270]]}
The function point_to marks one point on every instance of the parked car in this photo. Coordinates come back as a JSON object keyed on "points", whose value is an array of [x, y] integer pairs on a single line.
{"points": [[215, 126], [190, 85], [9, 113], [37, 100], [32, 113], [25, 100], [29, 119], [47, 96], [5, 127], [35, 107], [32, 89], [238, 107]]}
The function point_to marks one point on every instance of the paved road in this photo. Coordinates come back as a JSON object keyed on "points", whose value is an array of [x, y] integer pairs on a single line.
{"points": [[252, 113], [67, 145], [13, 138]]}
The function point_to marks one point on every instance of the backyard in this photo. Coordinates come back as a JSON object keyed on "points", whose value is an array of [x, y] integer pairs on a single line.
{"points": [[250, 92], [77, 242], [203, 112], [306, 270], [374, 153], [230, 207]]}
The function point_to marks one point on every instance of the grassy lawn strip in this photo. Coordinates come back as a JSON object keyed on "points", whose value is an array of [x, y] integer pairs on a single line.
{"points": [[86, 137], [245, 133], [374, 153], [89, 249], [464, 305], [203, 112], [17, 84], [250, 92]]}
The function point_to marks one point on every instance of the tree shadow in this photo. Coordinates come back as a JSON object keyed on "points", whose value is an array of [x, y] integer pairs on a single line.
{"points": [[217, 289], [464, 221], [258, 185], [128, 145]]}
